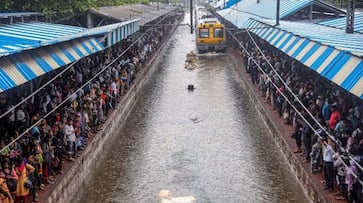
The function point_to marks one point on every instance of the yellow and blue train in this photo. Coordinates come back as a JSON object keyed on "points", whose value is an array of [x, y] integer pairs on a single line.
{"points": [[210, 33]]}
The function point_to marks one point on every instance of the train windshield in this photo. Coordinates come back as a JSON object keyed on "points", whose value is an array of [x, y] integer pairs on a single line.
{"points": [[218, 32], [203, 33]]}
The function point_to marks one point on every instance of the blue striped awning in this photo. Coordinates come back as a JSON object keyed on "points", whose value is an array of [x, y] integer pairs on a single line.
{"points": [[122, 31], [18, 69], [339, 66], [17, 37], [114, 33], [341, 22]]}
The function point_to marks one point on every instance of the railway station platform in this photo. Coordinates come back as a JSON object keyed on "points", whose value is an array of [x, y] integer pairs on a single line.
{"points": [[311, 182]]}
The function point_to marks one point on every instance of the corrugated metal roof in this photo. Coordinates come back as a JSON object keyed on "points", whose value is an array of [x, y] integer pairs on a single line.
{"points": [[101, 30], [337, 38], [237, 17], [330, 52], [267, 8], [21, 36], [17, 37], [341, 22], [20, 14], [145, 13], [106, 28], [20, 68], [66, 44], [122, 32]]}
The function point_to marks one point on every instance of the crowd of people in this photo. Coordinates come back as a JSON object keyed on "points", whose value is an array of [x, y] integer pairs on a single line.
{"points": [[53, 126], [327, 120]]}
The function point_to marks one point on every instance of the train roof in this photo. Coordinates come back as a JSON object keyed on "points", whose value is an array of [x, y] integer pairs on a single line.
{"points": [[208, 21], [205, 17]]}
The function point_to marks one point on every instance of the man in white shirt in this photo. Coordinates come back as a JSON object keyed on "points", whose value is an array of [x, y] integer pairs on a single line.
{"points": [[71, 139], [20, 116], [328, 165]]}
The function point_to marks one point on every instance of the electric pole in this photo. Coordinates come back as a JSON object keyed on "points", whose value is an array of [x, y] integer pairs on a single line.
{"points": [[349, 28], [191, 16], [277, 13]]}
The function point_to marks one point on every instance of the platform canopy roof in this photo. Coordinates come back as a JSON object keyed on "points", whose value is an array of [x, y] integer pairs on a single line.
{"points": [[19, 68], [292, 10], [115, 32], [29, 50], [22, 36], [145, 13], [341, 22], [330, 52]]}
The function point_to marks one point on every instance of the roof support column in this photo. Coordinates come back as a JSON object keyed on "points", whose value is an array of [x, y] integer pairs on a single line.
{"points": [[277, 13], [89, 20], [349, 27], [311, 13]]}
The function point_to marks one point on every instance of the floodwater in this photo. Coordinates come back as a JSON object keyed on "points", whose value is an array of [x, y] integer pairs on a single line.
{"points": [[208, 143]]}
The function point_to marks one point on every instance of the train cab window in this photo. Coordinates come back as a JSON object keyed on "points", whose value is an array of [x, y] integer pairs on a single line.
{"points": [[218, 32], [204, 33]]}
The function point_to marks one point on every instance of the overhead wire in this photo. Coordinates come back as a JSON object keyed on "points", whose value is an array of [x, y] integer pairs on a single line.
{"points": [[291, 104], [13, 107], [44, 85], [309, 113], [84, 85], [298, 100]]}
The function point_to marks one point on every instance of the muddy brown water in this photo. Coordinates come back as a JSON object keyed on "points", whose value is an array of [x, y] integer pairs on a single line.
{"points": [[208, 143]]}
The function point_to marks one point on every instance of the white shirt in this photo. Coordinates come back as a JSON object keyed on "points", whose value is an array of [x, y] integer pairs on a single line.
{"points": [[328, 154], [69, 132]]}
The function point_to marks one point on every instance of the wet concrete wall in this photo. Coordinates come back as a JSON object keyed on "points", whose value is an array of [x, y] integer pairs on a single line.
{"points": [[76, 177], [278, 136]]}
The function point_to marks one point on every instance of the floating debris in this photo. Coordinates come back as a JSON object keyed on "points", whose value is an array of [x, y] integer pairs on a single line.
{"points": [[191, 87], [191, 61]]}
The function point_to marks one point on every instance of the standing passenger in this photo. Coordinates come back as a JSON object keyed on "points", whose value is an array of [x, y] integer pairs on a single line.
{"points": [[316, 156], [306, 138], [22, 169], [5, 194], [351, 182], [334, 117], [328, 165], [325, 111], [71, 139]]}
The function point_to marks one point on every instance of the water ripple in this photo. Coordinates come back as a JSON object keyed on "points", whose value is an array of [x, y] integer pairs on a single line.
{"points": [[209, 144]]}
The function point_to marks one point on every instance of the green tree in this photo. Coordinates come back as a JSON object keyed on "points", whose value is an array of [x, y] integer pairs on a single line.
{"points": [[59, 8]]}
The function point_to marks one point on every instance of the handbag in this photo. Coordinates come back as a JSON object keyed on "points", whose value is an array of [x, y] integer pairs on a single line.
{"points": [[28, 183], [11, 183]]}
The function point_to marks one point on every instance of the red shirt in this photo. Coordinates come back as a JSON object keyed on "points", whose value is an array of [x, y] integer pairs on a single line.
{"points": [[334, 118]]}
